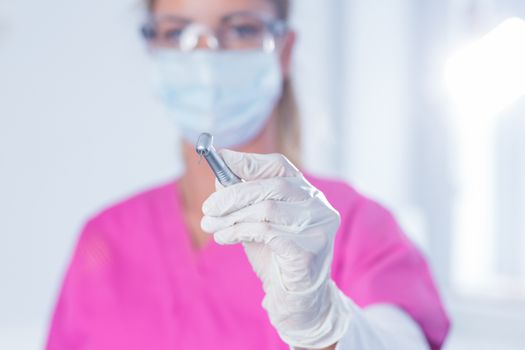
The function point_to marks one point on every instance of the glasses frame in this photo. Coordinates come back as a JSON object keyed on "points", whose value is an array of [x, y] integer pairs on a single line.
{"points": [[276, 29]]}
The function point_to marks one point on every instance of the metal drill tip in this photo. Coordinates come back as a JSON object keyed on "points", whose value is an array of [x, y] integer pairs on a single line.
{"points": [[204, 144], [204, 148]]}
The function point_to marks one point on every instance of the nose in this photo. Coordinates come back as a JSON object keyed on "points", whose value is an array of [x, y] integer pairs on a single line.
{"points": [[207, 41]]}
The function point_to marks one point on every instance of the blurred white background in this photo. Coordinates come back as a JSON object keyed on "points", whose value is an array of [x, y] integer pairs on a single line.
{"points": [[417, 103]]}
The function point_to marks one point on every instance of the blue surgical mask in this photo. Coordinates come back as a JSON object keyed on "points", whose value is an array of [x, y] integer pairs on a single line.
{"points": [[230, 94]]}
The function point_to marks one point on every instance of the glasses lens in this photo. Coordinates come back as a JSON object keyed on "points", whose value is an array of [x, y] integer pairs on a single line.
{"points": [[165, 32], [244, 32]]}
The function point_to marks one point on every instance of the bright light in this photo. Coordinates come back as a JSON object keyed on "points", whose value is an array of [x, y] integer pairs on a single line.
{"points": [[489, 74]]}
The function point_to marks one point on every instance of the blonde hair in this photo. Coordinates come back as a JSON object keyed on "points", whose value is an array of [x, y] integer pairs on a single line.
{"points": [[287, 109]]}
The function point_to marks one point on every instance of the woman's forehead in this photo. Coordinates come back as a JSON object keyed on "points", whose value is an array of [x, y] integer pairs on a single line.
{"points": [[211, 11]]}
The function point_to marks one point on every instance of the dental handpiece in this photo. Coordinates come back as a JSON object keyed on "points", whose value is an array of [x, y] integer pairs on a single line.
{"points": [[204, 148]]}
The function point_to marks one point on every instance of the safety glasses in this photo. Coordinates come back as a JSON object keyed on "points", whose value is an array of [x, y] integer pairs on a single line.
{"points": [[238, 31]]}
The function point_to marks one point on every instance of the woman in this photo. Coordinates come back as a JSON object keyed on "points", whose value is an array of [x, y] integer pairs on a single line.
{"points": [[332, 268]]}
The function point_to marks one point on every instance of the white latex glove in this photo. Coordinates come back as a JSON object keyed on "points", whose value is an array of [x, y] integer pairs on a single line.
{"points": [[287, 228]]}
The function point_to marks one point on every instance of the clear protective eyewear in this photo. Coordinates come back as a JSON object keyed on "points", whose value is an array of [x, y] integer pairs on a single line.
{"points": [[238, 31]]}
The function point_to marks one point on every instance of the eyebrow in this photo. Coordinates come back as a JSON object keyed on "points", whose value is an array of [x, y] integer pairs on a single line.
{"points": [[260, 14], [223, 19], [172, 17]]}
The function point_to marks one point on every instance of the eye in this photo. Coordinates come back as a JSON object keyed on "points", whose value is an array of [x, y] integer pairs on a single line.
{"points": [[173, 34], [246, 30]]}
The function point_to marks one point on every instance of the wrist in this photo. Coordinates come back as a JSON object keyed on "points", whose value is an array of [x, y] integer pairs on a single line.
{"points": [[331, 347], [321, 325]]}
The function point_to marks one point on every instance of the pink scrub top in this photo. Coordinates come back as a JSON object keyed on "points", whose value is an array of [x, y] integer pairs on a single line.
{"points": [[136, 282]]}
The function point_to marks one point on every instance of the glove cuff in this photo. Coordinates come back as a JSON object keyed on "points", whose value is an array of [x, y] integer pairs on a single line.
{"points": [[326, 327]]}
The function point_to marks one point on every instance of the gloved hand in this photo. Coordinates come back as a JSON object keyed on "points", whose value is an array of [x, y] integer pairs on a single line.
{"points": [[287, 228]]}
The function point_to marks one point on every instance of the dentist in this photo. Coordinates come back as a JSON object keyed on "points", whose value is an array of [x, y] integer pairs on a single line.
{"points": [[283, 260]]}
